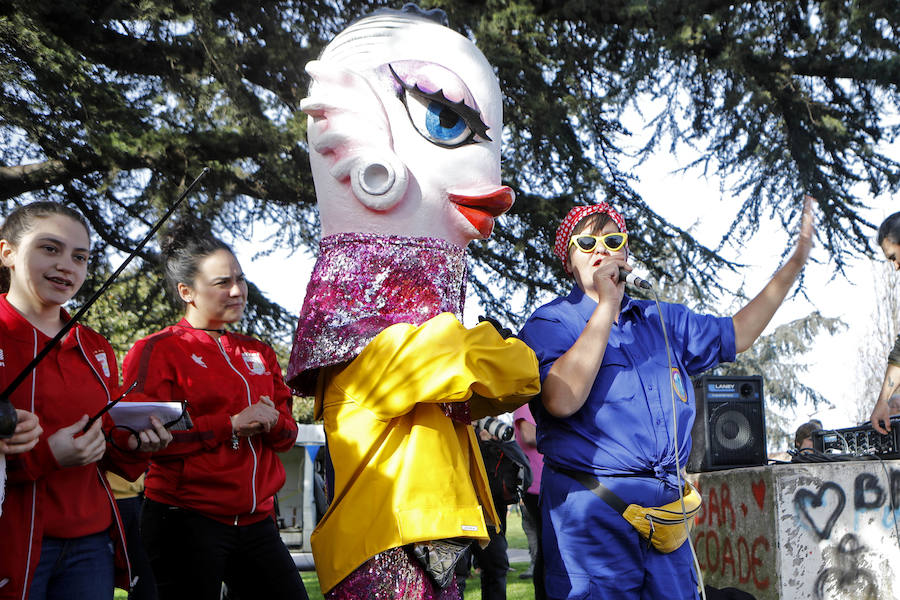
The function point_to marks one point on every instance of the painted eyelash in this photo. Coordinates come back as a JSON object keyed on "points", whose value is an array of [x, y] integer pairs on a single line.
{"points": [[466, 112]]}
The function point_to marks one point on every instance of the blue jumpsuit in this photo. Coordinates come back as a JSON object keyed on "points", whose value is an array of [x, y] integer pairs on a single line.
{"points": [[624, 428]]}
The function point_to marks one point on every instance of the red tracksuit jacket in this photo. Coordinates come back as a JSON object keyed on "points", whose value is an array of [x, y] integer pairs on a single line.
{"points": [[85, 377], [202, 469]]}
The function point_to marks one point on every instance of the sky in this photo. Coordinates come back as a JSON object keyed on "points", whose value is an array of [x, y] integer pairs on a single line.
{"points": [[687, 200], [832, 365]]}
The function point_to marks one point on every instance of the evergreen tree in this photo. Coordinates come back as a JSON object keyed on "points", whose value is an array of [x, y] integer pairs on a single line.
{"points": [[114, 106]]}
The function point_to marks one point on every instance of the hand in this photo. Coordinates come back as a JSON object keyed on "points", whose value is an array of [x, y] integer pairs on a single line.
{"points": [[607, 284], [504, 332], [25, 437], [485, 436], [152, 439], [881, 413], [71, 449], [256, 418]]}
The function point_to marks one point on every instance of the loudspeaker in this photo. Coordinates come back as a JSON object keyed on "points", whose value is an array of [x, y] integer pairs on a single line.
{"points": [[730, 426]]}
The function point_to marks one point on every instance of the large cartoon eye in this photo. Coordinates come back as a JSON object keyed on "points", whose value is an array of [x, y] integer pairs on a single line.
{"points": [[439, 120]]}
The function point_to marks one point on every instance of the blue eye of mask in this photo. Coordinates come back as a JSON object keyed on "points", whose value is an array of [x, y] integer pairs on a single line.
{"points": [[439, 120]]}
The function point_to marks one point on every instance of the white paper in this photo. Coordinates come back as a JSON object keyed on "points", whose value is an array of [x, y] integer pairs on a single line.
{"points": [[136, 415]]}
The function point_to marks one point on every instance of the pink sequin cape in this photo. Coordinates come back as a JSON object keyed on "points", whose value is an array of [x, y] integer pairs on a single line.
{"points": [[363, 283]]}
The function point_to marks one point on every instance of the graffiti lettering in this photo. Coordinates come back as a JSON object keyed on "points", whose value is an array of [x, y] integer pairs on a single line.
{"points": [[745, 564], [867, 492], [756, 561], [895, 489], [717, 503], [727, 556], [743, 558], [725, 505]]}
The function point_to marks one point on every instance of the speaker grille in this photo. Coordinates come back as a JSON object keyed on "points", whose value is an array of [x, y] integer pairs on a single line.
{"points": [[729, 430]]}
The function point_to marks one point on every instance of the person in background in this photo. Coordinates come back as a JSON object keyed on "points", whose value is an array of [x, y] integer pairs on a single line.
{"points": [[526, 436], [803, 437], [129, 498], [208, 514], [60, 531], [888, 238], [615, 389], [493, 559]]}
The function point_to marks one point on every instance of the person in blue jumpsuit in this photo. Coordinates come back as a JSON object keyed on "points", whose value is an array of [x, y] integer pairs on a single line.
{"points": [[607, 402]]}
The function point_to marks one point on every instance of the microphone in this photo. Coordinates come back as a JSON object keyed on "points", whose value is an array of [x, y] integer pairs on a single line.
{"points": [[630, 278]]}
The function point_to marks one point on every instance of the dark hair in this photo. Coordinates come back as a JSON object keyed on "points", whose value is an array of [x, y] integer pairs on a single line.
{"points": [[595, 222], [806, 431], [21, 220], [890, 229], [183, 248]]}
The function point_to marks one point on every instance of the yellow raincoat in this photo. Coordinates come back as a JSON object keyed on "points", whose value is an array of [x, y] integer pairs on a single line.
{"points": [[404, 471]]}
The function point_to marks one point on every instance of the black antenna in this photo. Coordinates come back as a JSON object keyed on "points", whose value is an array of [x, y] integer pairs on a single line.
{"points": [[8, 418]]}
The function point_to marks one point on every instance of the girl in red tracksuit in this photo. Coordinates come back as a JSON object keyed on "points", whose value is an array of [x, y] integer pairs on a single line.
{"points": [[59, 525], [208, 516]]}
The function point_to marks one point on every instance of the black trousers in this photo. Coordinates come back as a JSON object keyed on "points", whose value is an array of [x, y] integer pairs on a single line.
{"points": [[493, 560], [130, 511], [192, 555]]}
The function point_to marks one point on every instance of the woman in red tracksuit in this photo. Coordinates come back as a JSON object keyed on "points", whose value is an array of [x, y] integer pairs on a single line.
{"points": [[208, 516], [60, 532]]}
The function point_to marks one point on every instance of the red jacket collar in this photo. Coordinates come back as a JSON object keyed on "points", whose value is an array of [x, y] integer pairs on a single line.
{"points": [[20, 328], [199, 334]]}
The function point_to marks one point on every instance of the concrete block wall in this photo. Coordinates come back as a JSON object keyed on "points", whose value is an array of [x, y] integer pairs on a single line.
{"points": [[802, 531]]}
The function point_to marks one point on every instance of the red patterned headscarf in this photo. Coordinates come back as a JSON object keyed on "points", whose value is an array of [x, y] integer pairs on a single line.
{"points": [[564, 231]]}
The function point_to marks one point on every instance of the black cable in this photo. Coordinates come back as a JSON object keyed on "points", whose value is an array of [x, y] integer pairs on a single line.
{"points": [[8, 417]]}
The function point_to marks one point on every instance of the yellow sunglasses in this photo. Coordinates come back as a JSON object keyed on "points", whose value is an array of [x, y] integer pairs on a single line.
{"points": [[611, 241]]}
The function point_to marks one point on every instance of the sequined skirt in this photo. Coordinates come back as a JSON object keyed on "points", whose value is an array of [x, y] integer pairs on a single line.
{"points": [[391, 575]]}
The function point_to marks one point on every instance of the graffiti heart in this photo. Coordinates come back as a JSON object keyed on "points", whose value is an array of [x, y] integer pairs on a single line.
{"points": [[759, 492], [820, 509]]}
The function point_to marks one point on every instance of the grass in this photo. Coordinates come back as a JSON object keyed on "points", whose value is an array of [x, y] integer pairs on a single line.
{"points": [[515, 535], [516, 589]]}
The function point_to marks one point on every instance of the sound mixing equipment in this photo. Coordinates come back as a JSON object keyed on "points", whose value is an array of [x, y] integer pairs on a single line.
{"points": [[861, 441]]}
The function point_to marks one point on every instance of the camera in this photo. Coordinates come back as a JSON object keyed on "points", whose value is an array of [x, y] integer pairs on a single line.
{"points": [[497, 428]]}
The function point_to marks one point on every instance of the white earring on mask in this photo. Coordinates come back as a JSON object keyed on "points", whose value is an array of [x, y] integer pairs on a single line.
{"points": [[379, 179]]}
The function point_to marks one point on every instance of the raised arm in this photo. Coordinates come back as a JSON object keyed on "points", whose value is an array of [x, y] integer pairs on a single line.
{"points": [[750, 321], [567, 385]]}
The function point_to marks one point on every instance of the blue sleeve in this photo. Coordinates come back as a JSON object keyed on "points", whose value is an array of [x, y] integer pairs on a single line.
{"points": [[701, 341]]}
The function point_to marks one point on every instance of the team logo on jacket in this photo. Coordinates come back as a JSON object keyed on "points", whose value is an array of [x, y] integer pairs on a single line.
{"points": [[103, 362], [254, 363], [678, 384]]}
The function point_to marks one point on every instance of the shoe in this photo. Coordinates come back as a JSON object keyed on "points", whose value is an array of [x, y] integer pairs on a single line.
{"points": [[526, 574]]}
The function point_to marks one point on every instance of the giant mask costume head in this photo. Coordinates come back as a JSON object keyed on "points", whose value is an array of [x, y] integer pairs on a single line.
{"points": [[404, 131], [404, 142]]}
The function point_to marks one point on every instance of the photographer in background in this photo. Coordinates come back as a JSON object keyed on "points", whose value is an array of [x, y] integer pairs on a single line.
{"points": [[508, 474]]}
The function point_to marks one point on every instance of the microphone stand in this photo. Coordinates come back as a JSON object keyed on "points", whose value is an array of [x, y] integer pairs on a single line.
{"points": [[8, 418]]}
